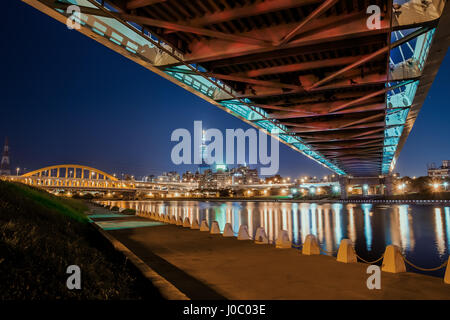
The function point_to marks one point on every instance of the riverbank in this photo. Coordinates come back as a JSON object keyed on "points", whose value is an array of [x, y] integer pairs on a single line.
{"points": [[41, 235], [207, 266]]}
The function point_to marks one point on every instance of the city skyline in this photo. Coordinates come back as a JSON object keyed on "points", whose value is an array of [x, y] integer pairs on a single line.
{"points": [[125, 126]]}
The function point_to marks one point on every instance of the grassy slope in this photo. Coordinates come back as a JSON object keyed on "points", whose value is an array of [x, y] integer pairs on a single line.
{"points": [[41, 235]]}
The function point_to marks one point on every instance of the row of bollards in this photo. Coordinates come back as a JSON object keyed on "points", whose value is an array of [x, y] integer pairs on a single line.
{"points": [[393, 260]]}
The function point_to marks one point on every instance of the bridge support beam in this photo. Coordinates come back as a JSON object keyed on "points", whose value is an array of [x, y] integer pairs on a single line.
{"points": [[388, 186], [343, 183]]}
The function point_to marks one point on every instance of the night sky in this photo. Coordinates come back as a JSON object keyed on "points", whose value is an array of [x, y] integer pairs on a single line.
{"points": [[68, 99]]}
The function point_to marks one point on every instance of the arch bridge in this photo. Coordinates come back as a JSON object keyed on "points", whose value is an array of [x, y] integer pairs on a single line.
{"points": [[85, 178]]}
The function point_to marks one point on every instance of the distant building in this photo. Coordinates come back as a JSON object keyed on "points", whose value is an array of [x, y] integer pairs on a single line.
{"points": [[441, 172], [150, 178], [207, 180], [222, 176], [188, 176], [244, 175], [171, 176], [220, 179], [5, 165]]}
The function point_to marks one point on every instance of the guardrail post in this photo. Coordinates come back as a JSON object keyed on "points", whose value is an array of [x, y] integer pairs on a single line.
{"points": [[215, 228], [346, 253], [186, 223], [195, 225], [228, 230], [243, 233], [204, 226], [283, 241], [393, 260], [261, 237], [311, 246]]}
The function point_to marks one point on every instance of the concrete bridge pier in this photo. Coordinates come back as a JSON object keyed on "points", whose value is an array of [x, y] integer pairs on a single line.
{"points": [[367, 185], [343, 185], [388, 186]]}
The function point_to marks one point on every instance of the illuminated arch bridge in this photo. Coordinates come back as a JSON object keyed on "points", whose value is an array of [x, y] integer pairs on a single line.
{"points": [[85, 178]]}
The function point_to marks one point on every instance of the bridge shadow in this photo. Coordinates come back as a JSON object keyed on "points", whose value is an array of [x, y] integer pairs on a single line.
{"points": [[190, 286]]}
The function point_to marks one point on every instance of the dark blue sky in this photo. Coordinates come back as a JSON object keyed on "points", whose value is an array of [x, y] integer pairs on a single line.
{"points": [[67, 99]]}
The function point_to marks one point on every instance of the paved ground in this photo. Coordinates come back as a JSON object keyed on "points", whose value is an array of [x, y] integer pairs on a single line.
{"points": [[205, 266]]}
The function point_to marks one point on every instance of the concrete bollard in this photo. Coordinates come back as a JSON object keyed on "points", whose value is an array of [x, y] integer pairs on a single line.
{"points": [[283, 241], [215, 228], [179, 221], [261, 237], [204, 226], [228, 230], [311, 246], [393, 260], [195, 225], [346, 253], [447, 272], [186, 223], [243, 233]]}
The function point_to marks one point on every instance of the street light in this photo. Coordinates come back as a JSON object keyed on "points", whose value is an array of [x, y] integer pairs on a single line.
{"points": [[17, 170], [435, 186]]}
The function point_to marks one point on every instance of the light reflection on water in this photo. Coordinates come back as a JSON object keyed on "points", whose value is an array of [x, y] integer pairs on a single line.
{"points": [[421, 231]]}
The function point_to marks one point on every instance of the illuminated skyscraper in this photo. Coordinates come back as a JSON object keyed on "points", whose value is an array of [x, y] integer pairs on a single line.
{"points": [[203, 154], [4, 166]]}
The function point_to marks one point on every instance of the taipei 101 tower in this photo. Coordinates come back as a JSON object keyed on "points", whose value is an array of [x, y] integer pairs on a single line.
{"points": [[4, 165]]}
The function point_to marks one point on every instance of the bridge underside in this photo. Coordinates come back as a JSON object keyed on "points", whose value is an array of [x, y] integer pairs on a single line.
{"points": [[333, 89]]}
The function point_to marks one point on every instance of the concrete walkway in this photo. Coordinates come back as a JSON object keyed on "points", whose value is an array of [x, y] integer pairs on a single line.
{"points": [[205, 266]]}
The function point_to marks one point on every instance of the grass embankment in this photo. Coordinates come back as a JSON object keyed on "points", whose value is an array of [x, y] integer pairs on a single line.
{"points": [[41, 235]]}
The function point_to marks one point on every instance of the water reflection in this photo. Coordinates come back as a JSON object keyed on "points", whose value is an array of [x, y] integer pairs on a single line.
{"points": [[370, 227], [439, 231], [367, 224]]}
